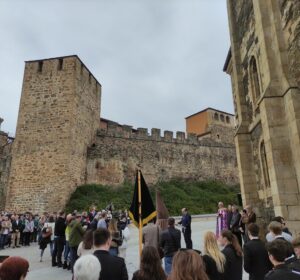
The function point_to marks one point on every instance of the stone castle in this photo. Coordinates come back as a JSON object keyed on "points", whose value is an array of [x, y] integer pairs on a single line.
{"points": [[264, 65], [61, 142]]}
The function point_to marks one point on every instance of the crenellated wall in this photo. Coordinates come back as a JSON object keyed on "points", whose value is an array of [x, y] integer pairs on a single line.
{"points": [[119, 150]]}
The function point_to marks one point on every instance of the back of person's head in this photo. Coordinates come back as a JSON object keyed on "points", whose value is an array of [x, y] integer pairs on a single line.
{"points": [[278, 219], [211, 249], [88, 240], [278, 249], [112, 225], [13, 268], [275, 228], [150, 267], [188, 265], [87, 267], [232, 239], [103, 215], [171, 222], [51, 219], [101, 236], [253, 229]]}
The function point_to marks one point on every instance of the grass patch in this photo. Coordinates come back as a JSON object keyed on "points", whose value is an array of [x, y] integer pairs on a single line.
{"points": [[199, 197]]}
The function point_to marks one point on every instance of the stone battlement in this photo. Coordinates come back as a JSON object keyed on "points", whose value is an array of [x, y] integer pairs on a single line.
{"points": [[126, 131]]}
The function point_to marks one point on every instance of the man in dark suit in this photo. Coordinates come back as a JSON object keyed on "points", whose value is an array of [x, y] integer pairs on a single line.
{"points": [[256, 259], [186, 221], [235, 222], [278, 251], [112, 268]]}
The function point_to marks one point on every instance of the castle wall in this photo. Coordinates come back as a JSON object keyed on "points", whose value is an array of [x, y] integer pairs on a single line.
{"points": [[58, 117], [5, 161], [117, 153]]}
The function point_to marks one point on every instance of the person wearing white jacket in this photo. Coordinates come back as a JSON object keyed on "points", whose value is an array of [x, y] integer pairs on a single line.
{"points": [[125, 237]]}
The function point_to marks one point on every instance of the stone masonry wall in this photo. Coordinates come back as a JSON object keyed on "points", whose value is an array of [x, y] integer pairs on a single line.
{"points": [[5, 160], [115, 155], [58, 117]]}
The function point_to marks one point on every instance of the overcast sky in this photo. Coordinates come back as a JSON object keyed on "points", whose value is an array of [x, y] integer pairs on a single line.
{"points": [[158, 61]]}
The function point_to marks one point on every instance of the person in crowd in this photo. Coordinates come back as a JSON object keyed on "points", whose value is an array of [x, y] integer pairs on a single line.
{"points": [[187, 264], [281, 220], [5, 228], [125, 233], [50, 226], [28, 230], [213, 258], [170, 242], [185, 222], [67, 259], [242, 224], [256, 260], [14, 268], [16, 228], [229, 215], [150, 266], [75, 237], [112, 267], [86, 246], [92, 213], [22, 237], [151, 233], [221, 219], [275, 232], [102, 222], [59, 239], [45, 240], [277, 251], [87, 267], [33, 237], [42, 221], [296, 246], [94, 222], [234, 224], [251, 219], [116, 237], [291, 259], [233, 254]]}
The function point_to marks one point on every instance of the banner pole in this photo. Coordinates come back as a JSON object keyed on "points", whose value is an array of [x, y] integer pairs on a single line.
{"points": [[140, 213]]}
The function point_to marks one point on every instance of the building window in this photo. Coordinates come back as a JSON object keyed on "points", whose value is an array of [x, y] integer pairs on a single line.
{"points": [[227, 119], [60, 64], [222, 118], [264, 165], [254, 79], [216, 116], [40, 66]]}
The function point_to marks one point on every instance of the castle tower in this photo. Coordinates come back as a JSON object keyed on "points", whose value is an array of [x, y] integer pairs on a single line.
{"points": [[265, 74], [58, 118]]}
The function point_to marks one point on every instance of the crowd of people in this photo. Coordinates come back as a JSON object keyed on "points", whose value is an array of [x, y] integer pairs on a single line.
{"points": [[93, 246]]}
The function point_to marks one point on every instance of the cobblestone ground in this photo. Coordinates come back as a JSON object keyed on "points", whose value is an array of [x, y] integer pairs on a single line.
{"points": [[44, 271]]}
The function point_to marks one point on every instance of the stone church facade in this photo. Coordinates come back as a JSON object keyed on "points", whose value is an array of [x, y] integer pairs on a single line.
{"points": [[61, 142], [264, 65]]}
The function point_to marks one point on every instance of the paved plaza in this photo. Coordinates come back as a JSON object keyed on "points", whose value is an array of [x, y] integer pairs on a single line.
{"points": [[44, 271]]}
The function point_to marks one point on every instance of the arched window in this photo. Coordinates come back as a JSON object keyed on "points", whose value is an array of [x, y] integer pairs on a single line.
{"points": [[227, 119], [264, 164], [216, 116], [222, 118], [254, 79]]}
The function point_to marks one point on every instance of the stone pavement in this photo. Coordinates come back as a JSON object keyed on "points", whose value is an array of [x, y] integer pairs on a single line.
{"points": [[44, 271]]}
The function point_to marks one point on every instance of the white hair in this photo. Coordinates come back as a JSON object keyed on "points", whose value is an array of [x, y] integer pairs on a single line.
{"points": [[87, 267]]}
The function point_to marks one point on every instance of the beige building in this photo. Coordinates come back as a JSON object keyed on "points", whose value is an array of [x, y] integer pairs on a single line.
{"points": [[264, 65]]}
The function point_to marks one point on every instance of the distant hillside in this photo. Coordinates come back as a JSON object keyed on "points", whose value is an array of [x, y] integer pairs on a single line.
{"points": [[199, 197]]}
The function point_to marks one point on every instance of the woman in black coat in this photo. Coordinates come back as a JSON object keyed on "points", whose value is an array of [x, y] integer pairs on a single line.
{"points": [[233, 254]]}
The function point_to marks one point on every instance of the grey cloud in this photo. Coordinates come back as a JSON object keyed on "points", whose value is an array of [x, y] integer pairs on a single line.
{"points": [[158, 61]]}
